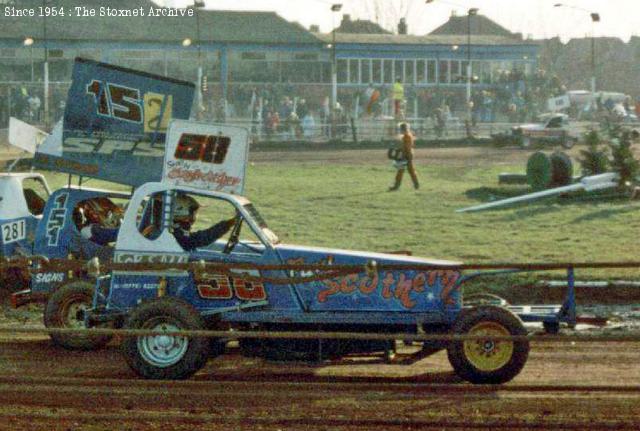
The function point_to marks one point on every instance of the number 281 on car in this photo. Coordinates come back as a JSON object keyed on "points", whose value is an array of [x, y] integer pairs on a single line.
{"points": [[14, 231]]}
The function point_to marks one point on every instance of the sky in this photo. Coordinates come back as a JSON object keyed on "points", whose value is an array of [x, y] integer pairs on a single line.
{"points": [[534, 18]]}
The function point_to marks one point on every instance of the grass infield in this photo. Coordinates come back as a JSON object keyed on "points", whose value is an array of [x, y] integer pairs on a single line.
{"points": [[348, 206]]}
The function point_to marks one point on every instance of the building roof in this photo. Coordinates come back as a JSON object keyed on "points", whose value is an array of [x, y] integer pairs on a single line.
{"points": [[480, 26], [396, 39], [215, 26], [362, 26]]}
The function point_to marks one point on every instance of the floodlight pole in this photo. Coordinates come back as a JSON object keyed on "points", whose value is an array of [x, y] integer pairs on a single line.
{"points": [[595, 17], [334, 66], [45, 95], [470, 13], [593, 59], [197, 4]]}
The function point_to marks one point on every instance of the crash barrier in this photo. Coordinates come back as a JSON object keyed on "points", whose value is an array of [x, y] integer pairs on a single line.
{"points": [[25, 100], [373, 129], [318, 272], [314, 335]]}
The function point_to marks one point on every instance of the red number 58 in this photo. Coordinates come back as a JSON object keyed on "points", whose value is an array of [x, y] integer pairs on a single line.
{"points": [[219, 286]]}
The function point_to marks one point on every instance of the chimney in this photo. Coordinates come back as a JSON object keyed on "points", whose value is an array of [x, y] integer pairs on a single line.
{"points": [[402, 26], [346, 18], [314, 28]]}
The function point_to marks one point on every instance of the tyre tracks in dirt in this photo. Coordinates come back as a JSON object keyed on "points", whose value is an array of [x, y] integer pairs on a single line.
{"points": [[562, 387]]}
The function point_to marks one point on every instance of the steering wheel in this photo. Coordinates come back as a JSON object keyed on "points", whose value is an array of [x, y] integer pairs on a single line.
{"points": [[235, 235]]}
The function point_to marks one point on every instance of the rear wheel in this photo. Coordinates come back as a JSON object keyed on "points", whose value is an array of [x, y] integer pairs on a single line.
{"points": [[487, 360], [65, 309], [166, 356]]}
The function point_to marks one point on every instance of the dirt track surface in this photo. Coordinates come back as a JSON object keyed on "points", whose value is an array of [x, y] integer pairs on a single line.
{"points": [[469, 156], [563, 386]]}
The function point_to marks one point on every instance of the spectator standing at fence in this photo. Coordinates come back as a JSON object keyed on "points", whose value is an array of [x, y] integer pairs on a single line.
{"points": [[406, 143], [398, 98], [272, 122], [371, 96]]}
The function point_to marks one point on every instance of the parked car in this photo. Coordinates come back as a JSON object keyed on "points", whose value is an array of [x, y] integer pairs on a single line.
{"points": [[551, 129]]}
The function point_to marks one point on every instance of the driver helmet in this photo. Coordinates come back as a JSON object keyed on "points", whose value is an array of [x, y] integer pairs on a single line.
{"points": [[184, 211], [101, 211]]}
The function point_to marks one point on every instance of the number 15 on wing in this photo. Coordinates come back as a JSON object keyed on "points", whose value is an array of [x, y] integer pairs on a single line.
{"points": [[14, 231], [124, 103], [116, 101]]}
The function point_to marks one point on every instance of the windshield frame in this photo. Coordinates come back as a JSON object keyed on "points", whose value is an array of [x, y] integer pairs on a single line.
{"points": [[260, 222]]}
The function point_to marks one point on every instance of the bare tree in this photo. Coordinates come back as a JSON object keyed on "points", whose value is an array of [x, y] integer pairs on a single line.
{"points": [[386, 13]]}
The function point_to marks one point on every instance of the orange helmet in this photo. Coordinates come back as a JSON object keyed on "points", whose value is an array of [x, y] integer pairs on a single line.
{"points": [[100, 210]]}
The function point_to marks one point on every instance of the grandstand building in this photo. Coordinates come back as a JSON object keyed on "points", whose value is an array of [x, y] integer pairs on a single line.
{"points": [[244, 53]]}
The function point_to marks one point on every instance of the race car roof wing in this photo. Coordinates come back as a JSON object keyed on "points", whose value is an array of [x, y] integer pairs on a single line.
{"points": [[206, 156], [115, 123]]}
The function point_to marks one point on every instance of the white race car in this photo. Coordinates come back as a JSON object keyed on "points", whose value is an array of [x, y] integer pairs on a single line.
{"points": [[552, 129]]}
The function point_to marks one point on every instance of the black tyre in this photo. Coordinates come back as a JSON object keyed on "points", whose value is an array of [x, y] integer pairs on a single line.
{"points": [[488, 361], [161, 356], [539, 171], [561, 169], [65, 309]]}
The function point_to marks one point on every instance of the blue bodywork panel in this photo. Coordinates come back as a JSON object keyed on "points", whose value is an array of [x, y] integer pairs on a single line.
{"points": [[57, 236], [374, 297], [379, 298]]}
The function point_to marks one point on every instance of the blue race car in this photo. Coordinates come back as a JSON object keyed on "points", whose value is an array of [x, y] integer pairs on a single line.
{"points": [[386, 301]]}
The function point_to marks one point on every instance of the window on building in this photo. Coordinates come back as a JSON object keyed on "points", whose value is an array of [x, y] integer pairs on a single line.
{"points": [[443, 71], [376, 71], [365, 71], [456, 76], [485, 72], [324, 69], [388, 71], [431, 71], [463, 69], [476, 71], [342, 71], [299, 71], [354, 71], [421, 70], [398, 70], [409, 71]]}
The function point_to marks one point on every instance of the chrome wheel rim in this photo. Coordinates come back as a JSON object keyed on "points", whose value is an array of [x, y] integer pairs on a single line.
{"points": [[163, 350]]}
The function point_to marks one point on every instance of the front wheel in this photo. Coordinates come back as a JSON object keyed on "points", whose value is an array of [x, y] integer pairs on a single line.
{"points": [[486, 360], [166, 356], [65, 309]]}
